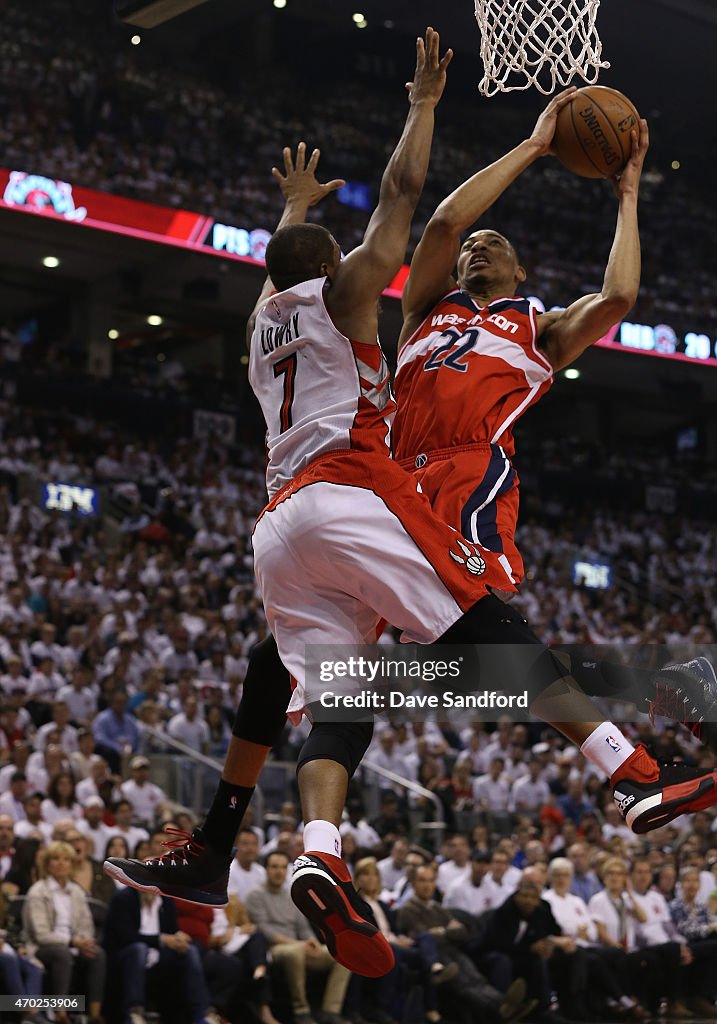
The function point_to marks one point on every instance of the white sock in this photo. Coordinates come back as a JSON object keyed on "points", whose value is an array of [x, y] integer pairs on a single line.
{"points": [[607, 748], [322, 837]]}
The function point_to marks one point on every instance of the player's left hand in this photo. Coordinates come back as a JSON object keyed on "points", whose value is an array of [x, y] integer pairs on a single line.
{"points": [[544, 130], [628, 182], [298, 184], [429, 78]]}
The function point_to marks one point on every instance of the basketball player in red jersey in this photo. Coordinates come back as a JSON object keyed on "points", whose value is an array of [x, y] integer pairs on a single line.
{"points": [[474, 356], [347, 539]]}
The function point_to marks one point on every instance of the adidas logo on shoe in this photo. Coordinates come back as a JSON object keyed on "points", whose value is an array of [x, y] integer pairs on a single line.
{"points": [[649, 795], [623, 801]]}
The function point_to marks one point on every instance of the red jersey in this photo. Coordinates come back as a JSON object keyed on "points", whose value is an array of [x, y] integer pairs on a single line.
{"points": [[438, 406]]}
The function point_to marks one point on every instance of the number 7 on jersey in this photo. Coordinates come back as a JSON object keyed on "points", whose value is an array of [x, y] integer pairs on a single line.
{"points": [[287, 368]]}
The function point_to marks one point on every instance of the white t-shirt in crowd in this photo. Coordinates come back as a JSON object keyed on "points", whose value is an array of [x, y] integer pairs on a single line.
{"points": [[145, 799], [194, 733], [572, 914], [390, 874], [52, 813], [496, 893], [449, 873], [133, 835], [463, 895], [100, 837], [658, 927], [25, 829], [242, 881]]}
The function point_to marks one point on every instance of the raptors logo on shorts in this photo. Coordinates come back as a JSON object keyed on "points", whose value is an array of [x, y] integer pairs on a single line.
{"points": [[471, 558]]}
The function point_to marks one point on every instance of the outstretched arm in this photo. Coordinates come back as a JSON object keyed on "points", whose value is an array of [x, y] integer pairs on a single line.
{"points": [[565, 335], [368, 269], [300, 190], [435, 256]]}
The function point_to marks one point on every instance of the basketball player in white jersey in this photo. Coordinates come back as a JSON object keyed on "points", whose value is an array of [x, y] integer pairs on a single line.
{"points": [[347, 540]]}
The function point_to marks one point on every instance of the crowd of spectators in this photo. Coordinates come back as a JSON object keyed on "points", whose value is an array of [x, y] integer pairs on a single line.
{"points": [[143, 617], [84, 106]]}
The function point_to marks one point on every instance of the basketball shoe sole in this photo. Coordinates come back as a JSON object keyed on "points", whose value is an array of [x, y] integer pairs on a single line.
{"points": [[322, 889]]}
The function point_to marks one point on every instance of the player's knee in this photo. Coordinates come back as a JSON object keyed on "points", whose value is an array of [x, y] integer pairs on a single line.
{"points": [[503, 646], [261, 715], [343, 742], [490, 621]]}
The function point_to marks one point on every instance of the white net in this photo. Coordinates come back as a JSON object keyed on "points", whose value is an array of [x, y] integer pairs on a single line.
{"points": [[543, 43]]}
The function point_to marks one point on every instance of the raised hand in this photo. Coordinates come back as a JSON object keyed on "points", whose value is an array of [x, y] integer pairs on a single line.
{"points": [[429, 79], [628, 182], [298, 184], [544, 130]]}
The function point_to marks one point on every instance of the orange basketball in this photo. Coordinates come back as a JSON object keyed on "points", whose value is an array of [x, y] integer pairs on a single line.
{"points": [[592, 136]]}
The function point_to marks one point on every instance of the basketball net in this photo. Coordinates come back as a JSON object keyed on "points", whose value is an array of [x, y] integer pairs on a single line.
{"points": [[544, 43]]}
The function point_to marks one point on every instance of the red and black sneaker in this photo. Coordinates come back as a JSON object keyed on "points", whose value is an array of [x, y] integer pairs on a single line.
{"points": [[649, 795], [322, 889], [190, 870]]}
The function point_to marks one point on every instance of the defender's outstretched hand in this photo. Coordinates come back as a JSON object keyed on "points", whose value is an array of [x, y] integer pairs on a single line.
{"points": [[629, 181], [299, 183], [429, 79], [544, 130]]}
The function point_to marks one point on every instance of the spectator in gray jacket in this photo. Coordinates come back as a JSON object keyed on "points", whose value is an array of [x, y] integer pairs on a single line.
{"points": [[57, 921], [293, 944]]}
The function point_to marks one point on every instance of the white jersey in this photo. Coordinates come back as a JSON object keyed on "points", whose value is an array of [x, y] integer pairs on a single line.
{"points": [[319, 391]]}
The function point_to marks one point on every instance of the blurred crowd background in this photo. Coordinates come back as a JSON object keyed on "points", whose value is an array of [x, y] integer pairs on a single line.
{"points": [[125, 634]]}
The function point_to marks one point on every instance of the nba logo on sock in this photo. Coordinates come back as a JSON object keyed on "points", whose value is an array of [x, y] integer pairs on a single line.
{"points": [[233, 803], [613, 744], [338, 848]]}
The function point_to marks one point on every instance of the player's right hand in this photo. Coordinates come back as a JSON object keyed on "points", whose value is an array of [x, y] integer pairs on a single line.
{"points": [[544, 130], [429, 79], [299, 183], [628, 182]]}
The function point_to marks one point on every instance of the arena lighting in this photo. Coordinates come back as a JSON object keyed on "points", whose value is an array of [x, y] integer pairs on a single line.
{"points": [[675, 165], [150, 13], [362, 24], [153, 320], [280, 4], [113, 334], [572, 374], [356, 18], [136, 40], [36, 195], [50, 262]]}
